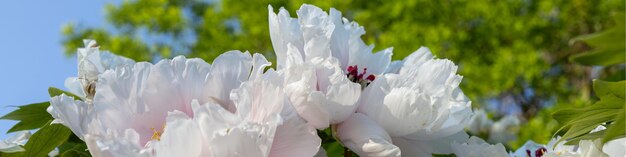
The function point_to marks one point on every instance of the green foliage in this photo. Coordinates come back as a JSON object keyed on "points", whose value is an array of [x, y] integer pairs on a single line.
{"points": [[74, 149], [44, 141], [330, 144], [30, 116], [608, 46], [610, 109]]}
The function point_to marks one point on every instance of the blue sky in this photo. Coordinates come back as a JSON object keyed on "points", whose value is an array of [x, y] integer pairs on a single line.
{"points": [[32, 54]]}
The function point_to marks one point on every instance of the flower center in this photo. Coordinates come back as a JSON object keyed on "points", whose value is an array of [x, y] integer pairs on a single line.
{"points": [[538, 153], [360, 78], [157, 133]]}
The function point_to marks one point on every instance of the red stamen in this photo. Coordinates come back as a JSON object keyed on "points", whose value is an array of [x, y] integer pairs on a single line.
{"points": [[371, 77], [539, 152]]}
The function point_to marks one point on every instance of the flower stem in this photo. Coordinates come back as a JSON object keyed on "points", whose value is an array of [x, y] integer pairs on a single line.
{"points": [[347, 152]]}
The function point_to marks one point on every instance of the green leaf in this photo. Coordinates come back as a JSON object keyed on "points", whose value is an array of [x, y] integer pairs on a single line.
{"points": [[333, 149], [610, 109], [590, 136], [617, 128], [45, 140], [71, 149], [603, 88], [56, 92], [30, 116], [608, 46]]}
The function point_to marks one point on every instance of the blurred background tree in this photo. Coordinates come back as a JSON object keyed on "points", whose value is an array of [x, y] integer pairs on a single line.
{"points": [[513, 54]]}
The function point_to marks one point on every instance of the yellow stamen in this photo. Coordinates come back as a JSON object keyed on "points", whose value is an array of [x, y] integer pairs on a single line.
{"points": [[157, 133]]}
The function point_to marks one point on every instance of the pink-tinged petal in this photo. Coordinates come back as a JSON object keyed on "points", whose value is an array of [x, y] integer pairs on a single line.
{"points": [[258, 101], [365, 137], [140, 96], [229, 70], [74, 114], [294, 137], [435, 146], [181, 137]]}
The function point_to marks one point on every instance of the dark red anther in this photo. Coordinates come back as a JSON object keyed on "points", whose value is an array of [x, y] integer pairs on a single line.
{"points": [[528, 152], [539, 152], [353, 70], [360, 78], [371, 78]]}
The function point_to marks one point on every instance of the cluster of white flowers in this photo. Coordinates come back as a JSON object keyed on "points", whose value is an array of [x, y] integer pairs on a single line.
{"points": [[501, 131], [476, 147], [325, 77]]}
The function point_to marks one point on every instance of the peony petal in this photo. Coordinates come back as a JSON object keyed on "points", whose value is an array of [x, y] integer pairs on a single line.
{"points": [[181, 137], [339, 42], [434, 146], [590, 148], [317, 30], [258, 101], [304, 98], [284, 30], [365, 137], [74, 114], [294, 137], [419, 57], [74, 85], [341, 94], [229, 70], [394, 67], [113, 145], [259, 63], [615, 147]]}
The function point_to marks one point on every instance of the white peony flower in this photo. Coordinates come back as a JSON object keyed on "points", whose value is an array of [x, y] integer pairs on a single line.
{"points": [[324, 61], [585, 148], [477, 147], [420, 107], [186, 107], [416, 106]]}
